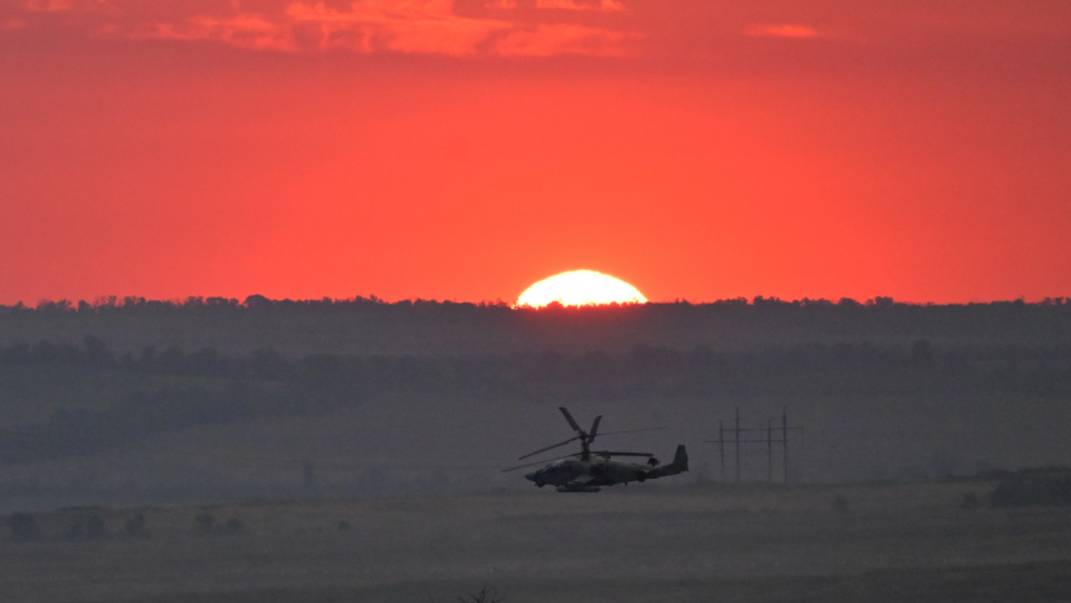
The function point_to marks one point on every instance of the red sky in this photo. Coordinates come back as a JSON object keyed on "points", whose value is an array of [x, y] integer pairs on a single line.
{"points": [[700, 149]]}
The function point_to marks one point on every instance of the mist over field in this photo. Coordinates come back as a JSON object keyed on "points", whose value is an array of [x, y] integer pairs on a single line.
{"points": [[219, 400]]}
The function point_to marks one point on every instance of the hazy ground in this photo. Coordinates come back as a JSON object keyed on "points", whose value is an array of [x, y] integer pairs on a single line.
{"points": [[403, 415], [753, 543]]}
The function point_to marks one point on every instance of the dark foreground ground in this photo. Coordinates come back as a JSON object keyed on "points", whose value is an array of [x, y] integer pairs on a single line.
{"points": [[814, 543]]}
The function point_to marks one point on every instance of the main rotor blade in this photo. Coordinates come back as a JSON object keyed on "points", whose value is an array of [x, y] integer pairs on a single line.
{"points": [[572, 421], [594, 428], [618, 453], [659, 428], [551, 447], [537, 463]]}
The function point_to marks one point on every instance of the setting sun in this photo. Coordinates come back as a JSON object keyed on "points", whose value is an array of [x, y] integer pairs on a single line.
{"points": [[580, 288]]}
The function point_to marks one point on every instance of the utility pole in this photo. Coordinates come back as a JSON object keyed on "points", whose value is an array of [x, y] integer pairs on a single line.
{"points": [[755, 436], [721, 446], [736, 439], [769, 450], [784, 436]]}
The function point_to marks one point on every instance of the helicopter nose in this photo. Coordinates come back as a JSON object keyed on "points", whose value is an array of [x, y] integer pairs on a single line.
{"points": [[530, 476]]}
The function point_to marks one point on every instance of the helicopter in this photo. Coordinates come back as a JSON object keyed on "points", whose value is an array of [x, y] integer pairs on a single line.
{"points": [[590, 470]]}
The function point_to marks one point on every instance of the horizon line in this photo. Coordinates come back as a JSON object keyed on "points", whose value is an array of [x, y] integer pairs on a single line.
{"points": [[251, 300]]}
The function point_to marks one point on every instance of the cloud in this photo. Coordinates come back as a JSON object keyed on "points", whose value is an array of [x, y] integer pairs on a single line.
{"points": [[13, 24], [560, 39], [242, 30], [791, 31], [67, 6], [429, 27], [581, 5], [48, 6], [426, 27]]}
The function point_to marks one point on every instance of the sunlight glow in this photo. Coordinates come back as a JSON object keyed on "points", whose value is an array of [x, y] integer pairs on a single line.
{"points": [[580, 288]]}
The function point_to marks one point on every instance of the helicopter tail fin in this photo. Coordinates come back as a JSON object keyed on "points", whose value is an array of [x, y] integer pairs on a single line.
{"points": [[679, 464], [680, 458]]}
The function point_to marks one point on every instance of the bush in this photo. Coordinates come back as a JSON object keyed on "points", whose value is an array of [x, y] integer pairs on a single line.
{"points": [[23, 527], [840, 504], [484, 595], [970, 501], [87, 527], [233, 526], [1032, 490], [204, 524], [135, 526]]}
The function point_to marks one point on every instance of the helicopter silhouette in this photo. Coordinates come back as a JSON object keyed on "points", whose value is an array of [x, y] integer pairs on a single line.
{"points": [[591, 470]]}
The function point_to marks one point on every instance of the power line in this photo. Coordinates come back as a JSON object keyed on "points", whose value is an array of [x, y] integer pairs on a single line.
{"points": [[772, 438]]}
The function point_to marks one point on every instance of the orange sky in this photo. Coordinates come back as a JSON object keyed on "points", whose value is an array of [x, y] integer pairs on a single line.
{"points": [[699, 149]]}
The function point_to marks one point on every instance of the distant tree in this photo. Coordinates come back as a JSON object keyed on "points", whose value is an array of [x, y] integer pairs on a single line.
{"points": [[97, 354], [257, 301], [266, 363], [147, 360], [172, 360], [323, 369], [45, 352], [16, 353], [922, 352], [204, 362], [58, 306]]}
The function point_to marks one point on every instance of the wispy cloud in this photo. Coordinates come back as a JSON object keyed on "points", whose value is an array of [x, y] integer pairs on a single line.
{"points": [[430, 27], [13, 24], [559, 39], [48, 6], [242, 31], [433, 27], [792, 31], [67, 6], [581, 5]]}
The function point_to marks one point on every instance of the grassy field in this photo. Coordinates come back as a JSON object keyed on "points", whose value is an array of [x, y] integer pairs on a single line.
{"points": [[903, 542]]}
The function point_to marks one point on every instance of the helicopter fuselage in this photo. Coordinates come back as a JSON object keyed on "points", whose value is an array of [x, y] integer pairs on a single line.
{"points": [[589, 475]]}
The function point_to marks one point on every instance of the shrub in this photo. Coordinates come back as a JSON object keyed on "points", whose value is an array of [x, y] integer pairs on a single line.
{"points": [[23, 527], [204, 524], [484, 595], [1032, 490], [970, 501], [233, 526], [135, 526], [86, 527], [840, 504]]}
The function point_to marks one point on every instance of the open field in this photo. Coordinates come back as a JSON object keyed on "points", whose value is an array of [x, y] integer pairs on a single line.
{"points": [[904, 542]]}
